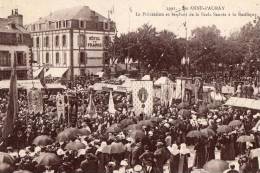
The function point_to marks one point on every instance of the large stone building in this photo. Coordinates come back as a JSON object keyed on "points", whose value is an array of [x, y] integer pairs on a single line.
{"points": [[71, 42], [15, 42]]}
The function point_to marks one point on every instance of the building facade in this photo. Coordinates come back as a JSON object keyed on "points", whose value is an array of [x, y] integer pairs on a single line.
{"points": [[15, 42], [72, 41]]}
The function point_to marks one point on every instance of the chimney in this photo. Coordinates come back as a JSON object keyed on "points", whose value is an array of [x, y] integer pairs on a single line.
{"points": [[16, 17]]}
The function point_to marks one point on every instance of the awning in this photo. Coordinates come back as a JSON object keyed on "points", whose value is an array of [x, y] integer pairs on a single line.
{"points": [[37, 71], [22, 84], [55, 86], [56, 72], [244, 103]]}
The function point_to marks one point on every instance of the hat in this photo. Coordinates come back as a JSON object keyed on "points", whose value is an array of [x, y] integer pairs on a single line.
{"points": [[124, 163], [138, 168], [159, 144]]}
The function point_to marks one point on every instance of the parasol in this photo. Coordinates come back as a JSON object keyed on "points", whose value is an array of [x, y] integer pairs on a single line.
{"points": [[84, 132], [207, 132], [134, 127], [194, 134], [137, 134], [65, 136], [216, 166], [5, 168], [224, 129], [235, 123], [42, 140], [146, 123], [47, 159], [246, 138], [6, 158], [75, 146], [114, 128], [126, 122]]}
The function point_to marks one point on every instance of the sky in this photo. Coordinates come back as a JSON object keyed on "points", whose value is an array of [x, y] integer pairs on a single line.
{"points": [[131, 14]]}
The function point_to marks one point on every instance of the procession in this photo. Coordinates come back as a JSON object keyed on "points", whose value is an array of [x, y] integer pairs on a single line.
{"points": [[79, 94]]}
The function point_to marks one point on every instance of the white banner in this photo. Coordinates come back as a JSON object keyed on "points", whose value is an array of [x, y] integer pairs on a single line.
{"points": [[180, 88], [167, 92], [60, 104], [143, 97], [35, 102]]}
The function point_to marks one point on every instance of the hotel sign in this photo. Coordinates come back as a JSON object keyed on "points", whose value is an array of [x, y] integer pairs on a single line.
{"points": [[95, 41]]}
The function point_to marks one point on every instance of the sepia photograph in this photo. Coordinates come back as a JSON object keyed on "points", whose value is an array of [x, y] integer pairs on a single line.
{"points": [[129, 86]]}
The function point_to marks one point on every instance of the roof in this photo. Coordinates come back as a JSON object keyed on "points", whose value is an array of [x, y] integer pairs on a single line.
{"points": [[77, 13], [24, 84], [6, 27]]}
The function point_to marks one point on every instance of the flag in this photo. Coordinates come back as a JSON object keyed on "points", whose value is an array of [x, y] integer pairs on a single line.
{"points": [[12, 104], [60, 104], [111, 105], [91, 109], [130, 9]]}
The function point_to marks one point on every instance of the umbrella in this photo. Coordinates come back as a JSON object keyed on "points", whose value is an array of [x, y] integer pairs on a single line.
{"points": [[235, 123], [224, 129], [75, 146], [84, 132], [5, 168], [47, 159], [255, 153], [137, 134], [65, 136], [113, 148], [72, 130], [6, 158], [156, 119], [184, 112], [134, 127], [126, 122], [213, 106], [176, 123], [246, 138], [207, 132], [117, 147], [146, 123], [216, 166], [114, 128], [183, 105], [22, 171], [194, 134], [42, 140]]}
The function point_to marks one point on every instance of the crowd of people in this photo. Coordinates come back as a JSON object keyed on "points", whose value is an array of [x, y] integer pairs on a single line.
{"points": [[125, 142]]}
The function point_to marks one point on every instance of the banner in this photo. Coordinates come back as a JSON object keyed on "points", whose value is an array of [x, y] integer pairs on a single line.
{"points": [[60, 104], [180, 88], [111, 105], [12, 106], [198, 89], [35, 101], [91, 109], [167, 92], [143, 97]]}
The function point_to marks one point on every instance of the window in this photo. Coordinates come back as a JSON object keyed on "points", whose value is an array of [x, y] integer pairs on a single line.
{"points": [[81, 40], [82, 72], [65, 58], [64, 24], [82, 57], [64, 41], [33, 27], [105, 58], [81, 25], [57, 58], [106, 40], [37, 42], [46, 41], [19, 38], [106, 26], [57, 40], [5, 58], [47, 58], [20, 59]]}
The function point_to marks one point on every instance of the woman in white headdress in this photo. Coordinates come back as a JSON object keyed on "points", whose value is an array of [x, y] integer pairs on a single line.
{"points": [[174, 158], [183, 162]]}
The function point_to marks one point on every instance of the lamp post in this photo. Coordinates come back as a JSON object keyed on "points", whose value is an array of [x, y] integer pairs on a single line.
{"points": [[185, 62]]}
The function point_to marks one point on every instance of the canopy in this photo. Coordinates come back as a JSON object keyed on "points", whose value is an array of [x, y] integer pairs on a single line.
{"points": [[146, 77], [37, 71], [55, 86], [243, 102], [22, 84], [162, 81], [55, 72]]}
